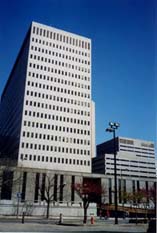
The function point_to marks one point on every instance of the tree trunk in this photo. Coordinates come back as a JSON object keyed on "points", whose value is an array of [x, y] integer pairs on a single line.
{"points": [[48, 210], [85, 215]]}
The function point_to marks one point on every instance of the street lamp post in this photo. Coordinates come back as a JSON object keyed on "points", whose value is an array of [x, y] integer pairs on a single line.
{"points": [[85, 206], [112, 129]]}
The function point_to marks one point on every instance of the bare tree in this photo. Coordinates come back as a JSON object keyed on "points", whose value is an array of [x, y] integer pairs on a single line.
{"points": [[10, 176], [48, 190], [7, 168]]}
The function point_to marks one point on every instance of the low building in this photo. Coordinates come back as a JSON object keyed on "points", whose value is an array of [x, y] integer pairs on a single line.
{"points": [[135, 162], [21, 189]]}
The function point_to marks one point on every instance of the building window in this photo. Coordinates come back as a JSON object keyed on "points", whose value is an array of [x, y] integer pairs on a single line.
{"points": [[72, 188], [24, 186], [33, 29], [43, 186], [133, 189], [120, 190], [7, 181], [61, 188], [55, 187], [110, 190], [123, 186], [36, 194]]}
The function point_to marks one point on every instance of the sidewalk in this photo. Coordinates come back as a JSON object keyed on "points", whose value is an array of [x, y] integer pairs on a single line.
{"points": [[68, 225]]}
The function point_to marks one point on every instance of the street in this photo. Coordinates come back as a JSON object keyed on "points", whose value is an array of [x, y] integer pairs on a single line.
{"points": [[69, 225]]}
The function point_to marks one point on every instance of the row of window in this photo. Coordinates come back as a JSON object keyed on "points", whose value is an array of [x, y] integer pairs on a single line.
{"points": [[143, 152], [133, 171], [60, 47], [56, 128], [56, 62], [61, 90], [57, 118], [139, 148], [50, 69], [54, 148], [111, 172], [48, 78], [151, 155], [127, 169], [65, 82], [145, 144], [62, 38], [58, 99], [126, 141], [56, 138], [134, 161], [41, 158], [57, 108]]}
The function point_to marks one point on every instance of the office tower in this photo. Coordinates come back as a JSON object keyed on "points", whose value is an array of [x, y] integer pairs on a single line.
{"points": [[46, 110], [135, 163], [135, 158]]}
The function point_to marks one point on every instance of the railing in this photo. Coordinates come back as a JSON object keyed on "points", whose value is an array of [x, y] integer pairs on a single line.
{"points": [[130, 209]]}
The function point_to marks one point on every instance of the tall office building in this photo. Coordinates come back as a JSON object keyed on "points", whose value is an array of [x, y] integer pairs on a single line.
{"points": [[46, 110]]}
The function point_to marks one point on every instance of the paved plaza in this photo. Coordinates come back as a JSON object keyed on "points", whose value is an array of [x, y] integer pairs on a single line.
{"points": [[69, 225]]}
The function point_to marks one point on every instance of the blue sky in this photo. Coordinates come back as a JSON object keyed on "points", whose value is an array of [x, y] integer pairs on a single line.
{"points": [[123, 57]]}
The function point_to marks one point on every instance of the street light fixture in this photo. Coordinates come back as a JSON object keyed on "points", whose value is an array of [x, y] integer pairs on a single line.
{"points": [[111, 129]]}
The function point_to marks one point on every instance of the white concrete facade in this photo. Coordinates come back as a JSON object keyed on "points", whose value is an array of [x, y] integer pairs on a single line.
{"points": [[58, 116], [136, 158]]}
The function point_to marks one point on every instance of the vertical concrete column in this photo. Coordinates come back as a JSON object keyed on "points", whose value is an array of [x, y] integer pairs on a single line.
{"points": [[67, 189], [58, 187], [129, 186], [55, 185], [78, 180], [30, 186], [17, 184], [142, 184], [150, 184], [105, 188]]}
